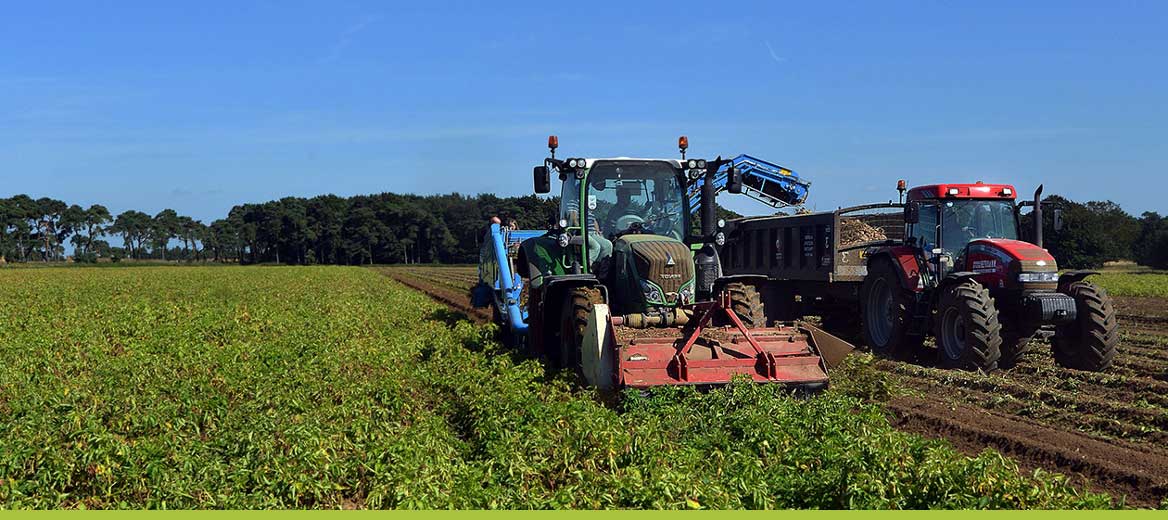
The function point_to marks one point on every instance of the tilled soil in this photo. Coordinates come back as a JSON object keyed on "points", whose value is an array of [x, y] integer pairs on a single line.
{"points": [[1110, 428], [1118, 467]]}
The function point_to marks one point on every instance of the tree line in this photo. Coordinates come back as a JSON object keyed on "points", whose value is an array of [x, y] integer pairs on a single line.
{"points": [[390, 228], [383, 228]]}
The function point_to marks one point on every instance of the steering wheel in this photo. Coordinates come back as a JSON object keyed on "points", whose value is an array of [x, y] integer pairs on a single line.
{"points": [[626, 221]]}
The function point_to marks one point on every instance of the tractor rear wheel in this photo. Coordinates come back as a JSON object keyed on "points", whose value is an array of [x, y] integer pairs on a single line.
{"points": [[578, 302], [969, 335], [885, 312], [1089, 343], [747, 304]]}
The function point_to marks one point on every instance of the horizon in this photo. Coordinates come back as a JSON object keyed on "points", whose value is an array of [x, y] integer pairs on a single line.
{"points": [[148, 107]]}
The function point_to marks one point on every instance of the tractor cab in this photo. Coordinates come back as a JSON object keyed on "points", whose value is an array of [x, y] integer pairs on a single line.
{"points": [[974, 228], [624, 221], [950, 216], [609, 199]]}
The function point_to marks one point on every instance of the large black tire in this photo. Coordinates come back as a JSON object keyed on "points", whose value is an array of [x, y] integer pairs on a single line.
{"points": [[969, 335], [578, 302], [885, 313], [747, 304], [1089, 343]]}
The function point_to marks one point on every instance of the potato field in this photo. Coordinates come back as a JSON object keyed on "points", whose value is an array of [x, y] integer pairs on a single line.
{"points": [[1107, 431], [328, 387]]}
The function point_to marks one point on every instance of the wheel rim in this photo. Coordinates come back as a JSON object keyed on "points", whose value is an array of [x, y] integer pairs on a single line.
{"points": [[953, 332], [880, 312]]}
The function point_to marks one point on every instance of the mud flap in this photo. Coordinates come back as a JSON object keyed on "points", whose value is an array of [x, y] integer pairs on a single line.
{"points": [[832, 349], [598, 356]]}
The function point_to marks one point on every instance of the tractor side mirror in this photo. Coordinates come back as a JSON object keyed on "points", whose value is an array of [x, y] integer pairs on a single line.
{"points": [[733, 180], [543, 180], [1058, 219], [912, 213]]}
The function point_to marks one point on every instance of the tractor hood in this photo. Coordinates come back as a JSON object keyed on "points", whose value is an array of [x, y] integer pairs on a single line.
{"points": [[660, 269], [1001, 263], [1009, 250]]}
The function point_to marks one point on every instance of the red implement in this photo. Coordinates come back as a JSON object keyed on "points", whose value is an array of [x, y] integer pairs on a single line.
{"points": [[708, 355]]}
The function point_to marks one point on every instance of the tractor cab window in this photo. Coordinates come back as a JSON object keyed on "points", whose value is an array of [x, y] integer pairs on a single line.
{"points": [[639, 197], [966, 220], [570, 210], [925, 230]]}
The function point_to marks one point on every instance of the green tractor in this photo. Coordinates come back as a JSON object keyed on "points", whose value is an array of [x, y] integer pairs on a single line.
{"points": [[621, 286]]}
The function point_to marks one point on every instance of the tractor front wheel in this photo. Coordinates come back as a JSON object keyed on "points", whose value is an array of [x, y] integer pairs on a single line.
{"points": [[578, 302], [1088, 343], [969, 335], [747, 304]]}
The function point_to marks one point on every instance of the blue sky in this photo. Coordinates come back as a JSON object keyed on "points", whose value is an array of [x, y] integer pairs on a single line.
{"points": [[201, 106]]}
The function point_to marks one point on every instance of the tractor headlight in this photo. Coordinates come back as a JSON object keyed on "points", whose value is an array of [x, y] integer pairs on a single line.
{"points": [[1037, 277], [564, 240], [687, 294], [720, 239], [694, 175], [651, 292]]}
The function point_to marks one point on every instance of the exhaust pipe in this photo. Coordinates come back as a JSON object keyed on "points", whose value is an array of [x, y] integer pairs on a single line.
{"points": [[706, 259], [1038, 216]]}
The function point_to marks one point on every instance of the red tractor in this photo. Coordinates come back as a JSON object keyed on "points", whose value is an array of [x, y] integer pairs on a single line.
{"points": [[948, 263]]}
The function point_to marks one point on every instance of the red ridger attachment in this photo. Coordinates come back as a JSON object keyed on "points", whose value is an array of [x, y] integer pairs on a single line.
{"points": [[715, 355]]}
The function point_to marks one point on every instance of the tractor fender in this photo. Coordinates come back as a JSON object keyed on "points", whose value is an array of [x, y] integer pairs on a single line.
{"points": [[957, 277], [904, 258], [1066, 279], [553, 290], [755, 279]]}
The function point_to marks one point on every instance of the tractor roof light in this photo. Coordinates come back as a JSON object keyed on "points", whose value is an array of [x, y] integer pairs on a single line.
{"points": [[1007, 192], [953, 192], [553, 142]]}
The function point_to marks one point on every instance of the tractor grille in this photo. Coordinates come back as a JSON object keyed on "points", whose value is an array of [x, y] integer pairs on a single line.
{"points": [[653, 257]]}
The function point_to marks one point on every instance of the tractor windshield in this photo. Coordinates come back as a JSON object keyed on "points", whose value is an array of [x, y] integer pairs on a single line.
{"points": [[963, 221], [637, 196]]}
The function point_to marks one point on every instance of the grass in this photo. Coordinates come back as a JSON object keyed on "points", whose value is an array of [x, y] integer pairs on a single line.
{"points": [[335, 387], [1134, 281]]}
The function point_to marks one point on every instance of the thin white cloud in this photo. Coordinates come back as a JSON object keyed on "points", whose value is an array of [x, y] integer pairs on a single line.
{"points": [[346, 37], [774, 55]]}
